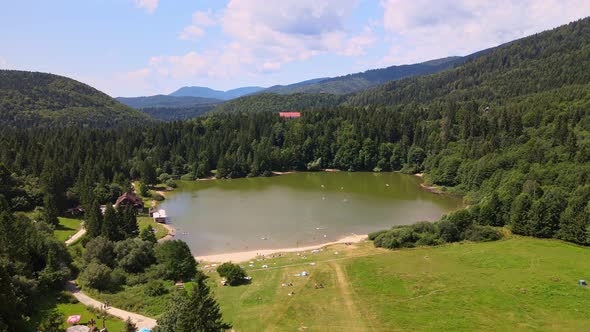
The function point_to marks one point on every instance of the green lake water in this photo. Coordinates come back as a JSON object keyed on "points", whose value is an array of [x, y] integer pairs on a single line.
{"points": [[300, 209]]}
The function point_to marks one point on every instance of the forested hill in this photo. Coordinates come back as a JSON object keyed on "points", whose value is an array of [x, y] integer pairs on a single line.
{"points": [[38, 99], [360, 81], [280, 103], [166, 101], [541, 62]]}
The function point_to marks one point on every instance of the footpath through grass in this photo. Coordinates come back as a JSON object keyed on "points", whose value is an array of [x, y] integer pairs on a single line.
{"points": [[514, 284], [67, 227]]}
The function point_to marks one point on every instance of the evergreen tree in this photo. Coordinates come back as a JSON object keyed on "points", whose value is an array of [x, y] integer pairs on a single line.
{"points": [[520, 214], [93, 222], [50, 209], [129, 226], [196, 312], [111, 225]]}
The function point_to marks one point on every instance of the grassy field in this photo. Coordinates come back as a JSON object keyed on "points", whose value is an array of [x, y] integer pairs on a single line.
{"points": [[60, 302], [514, 284], [145, 221], [66, 228]]}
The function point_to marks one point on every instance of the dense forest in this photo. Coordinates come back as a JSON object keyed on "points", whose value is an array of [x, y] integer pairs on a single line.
{"points": [[171, 108], [38, 99], [509, 130], [360, 81]]}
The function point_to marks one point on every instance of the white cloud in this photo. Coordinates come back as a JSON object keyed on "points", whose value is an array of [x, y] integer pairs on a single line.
{"points": [[191, 32], [263, 37], [3, 63], [195, 30], [149, 5], [204, 18], [422, 29]]}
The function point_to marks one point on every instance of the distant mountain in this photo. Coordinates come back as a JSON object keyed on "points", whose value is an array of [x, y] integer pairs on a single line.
{"points": [[171, 108], [203, 92], [39, 99], [283, 89], [165, 101], [360, 81]]}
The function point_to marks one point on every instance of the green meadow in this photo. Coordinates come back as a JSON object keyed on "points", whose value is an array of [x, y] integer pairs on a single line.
{"points": [[514, 284]]}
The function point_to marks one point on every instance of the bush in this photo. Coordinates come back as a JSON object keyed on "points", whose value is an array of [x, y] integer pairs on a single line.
{"points": [[479, 233], [158, 197], [164, 177], [171, 184], [233, 273], [101, 250], [187, 177], [135, 255], [97, 276], [155, 288], [176, 261], [448, 231], [374, 235]]}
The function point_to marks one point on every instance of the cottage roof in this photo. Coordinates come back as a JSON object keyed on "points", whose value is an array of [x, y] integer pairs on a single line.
{"points": [[131, 198]]}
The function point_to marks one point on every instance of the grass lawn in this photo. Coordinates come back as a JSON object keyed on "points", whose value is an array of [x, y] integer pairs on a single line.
{"points": [[144, 222], [66, 228], [514, 284], [51, 302]]}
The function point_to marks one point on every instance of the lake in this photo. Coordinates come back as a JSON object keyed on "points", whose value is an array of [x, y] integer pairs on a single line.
{"points": [[296, 210]]}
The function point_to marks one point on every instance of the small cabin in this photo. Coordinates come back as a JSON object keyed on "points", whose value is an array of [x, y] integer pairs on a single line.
{"points": [[289, 115], [160, 216], [129, 199], [75, 211]]}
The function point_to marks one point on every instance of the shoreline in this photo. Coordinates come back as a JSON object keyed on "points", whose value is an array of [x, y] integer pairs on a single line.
{"points": [[242, 256]]}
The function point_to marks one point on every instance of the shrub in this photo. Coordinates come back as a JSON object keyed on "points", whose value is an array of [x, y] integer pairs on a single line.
{"points": [[171, 184], [155, 288], [97, 276], [135, 255], [482, 233], [448, 231], [157, 197], [233, 273], [187, 177], [100, 249], [175, 260], [374, 235]]}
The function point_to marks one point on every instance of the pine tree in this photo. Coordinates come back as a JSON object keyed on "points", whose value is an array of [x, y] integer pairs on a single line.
{"points": [[50, 209], [129, 225], [110, 225], [93, 222], [197, 312]]}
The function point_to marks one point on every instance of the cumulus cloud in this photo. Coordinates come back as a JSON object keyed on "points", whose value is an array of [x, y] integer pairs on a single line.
{"points": [[200, 20], [422, 30], [263, 36], [149, 5]]}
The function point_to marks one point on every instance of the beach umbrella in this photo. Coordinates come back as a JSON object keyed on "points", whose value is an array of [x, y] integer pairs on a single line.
{"points": [[73, 319], [145, 330]]}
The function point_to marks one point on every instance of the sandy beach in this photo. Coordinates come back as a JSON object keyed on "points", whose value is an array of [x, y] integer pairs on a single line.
{"points": [[243, 256]]}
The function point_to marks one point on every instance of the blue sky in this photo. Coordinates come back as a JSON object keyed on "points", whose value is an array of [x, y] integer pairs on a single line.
{"points": [[145, 47]]}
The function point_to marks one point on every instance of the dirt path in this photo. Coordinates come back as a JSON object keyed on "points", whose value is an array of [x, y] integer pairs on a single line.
{"points": [[346, 295], [139, 320], [76, 236]]}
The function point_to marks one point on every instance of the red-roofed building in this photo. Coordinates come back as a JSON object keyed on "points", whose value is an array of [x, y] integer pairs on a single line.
{"points": [[129, 199], [289, 114]]}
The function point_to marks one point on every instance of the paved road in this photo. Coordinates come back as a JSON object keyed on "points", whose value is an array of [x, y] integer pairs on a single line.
{"points": [[139, 320]]}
